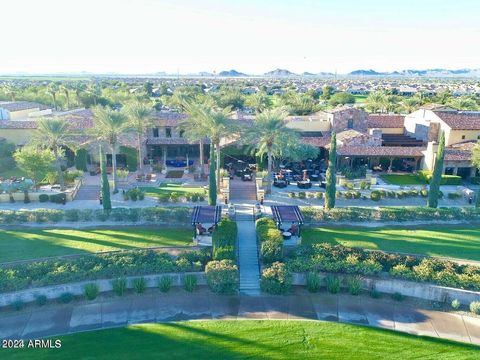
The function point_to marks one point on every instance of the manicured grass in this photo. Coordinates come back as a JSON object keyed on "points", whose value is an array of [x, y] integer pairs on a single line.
{"points": [[457, 242], [360, 98], [24, 244], [402, 179], [247, 340], [168, 188]]}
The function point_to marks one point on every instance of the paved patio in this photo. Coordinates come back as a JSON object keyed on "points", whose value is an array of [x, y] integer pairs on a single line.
{"points": [[53, 320]]}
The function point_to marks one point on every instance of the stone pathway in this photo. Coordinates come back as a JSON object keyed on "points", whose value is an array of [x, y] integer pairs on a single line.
{"points": [[247, 251], [88, 192], [56, 319], [242, 190]]}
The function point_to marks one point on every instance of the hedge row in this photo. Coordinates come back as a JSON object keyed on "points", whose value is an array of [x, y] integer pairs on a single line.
{"points": [[270, 239], [224, 240], [340, 259], [150, 214], [426, 177], [362, 214], [98, 266]]}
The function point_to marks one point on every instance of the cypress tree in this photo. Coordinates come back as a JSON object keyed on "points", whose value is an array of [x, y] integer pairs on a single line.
{"points": [[212, 183], [107, 204], [437, 174], [331, 177]]}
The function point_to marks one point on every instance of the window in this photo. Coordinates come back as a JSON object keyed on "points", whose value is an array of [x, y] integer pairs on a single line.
{"points": [[181, 133], [155, 132], [350, 124], [463, 137], [168, 132], [478, 137]]}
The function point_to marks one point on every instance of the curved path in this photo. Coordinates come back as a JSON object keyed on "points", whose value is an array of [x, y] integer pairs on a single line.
{"points": [[110, 311]]}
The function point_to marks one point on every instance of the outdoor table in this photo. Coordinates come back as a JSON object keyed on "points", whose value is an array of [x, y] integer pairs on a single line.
{"points": [[287, 235]]}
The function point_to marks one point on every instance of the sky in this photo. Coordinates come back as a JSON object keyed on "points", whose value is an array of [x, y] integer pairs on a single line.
{"points": [[251, 36]]}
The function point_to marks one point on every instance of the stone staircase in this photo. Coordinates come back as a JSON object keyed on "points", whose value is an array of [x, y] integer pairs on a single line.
{"points": [[88, 192], [247, 251], [242, 190]]}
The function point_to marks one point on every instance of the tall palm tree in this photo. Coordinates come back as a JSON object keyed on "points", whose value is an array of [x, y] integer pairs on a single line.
{"points": [[140, 119], [53, 134], [375, 102], [409, 105], [52, 90], [260, 101], [270, 135], [108, 126], [95, 91], [195, 129], [10, 91], [79, 88], [66, 91]]}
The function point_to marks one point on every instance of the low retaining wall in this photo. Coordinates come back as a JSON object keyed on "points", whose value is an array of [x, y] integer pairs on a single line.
{"points": [[104, 285], [407, 288]]}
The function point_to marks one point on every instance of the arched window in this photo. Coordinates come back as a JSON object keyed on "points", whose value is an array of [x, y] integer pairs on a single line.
{"points": [[350, 124]]}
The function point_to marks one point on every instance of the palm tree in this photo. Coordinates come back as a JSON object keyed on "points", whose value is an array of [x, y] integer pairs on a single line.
{"points": [[260, 101], [95, 91], [409, 105], [270, 135], [79, 87], [53, 134], [195, 129], [375, 102], [10, 91], [52, 89], [108, 126], [140, 119], [66, 91]]}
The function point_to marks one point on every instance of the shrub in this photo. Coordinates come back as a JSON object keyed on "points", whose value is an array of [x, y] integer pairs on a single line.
{"points": [[224, 253], [333, 284], [43, 198], [310, 195], [302, 195], [91, 291], [271, 241], [354, 284], [165, 283], [65, 297], [18, 304], [319, 195], [174, 197], [139, 285], [475, 307], [397, 296], [424, 193], [119, 286], [456, 304], [313, 281], [224, 240], [40, 299], [222, 276], [72, 215], [190, 283], [60, 198], [291, 195], [276, 279], [375, 195], [454, 195]]}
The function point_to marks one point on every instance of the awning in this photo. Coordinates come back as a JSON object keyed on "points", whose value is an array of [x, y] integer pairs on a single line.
{"points": [[206, 214], [284, 213]]}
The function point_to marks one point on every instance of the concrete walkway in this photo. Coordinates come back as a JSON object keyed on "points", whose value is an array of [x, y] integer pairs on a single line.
{"points": [[53, 320], [247, 251]]}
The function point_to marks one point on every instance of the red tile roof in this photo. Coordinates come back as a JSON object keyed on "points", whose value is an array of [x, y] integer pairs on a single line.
{"points": [[380, 151], [171, 141], [316, 141], [385, 121], [460, 121]]}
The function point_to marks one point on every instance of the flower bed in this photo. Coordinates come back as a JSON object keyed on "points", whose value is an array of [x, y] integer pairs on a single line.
{"points": [[150, 214], [340, 259], [361, 214], [91, 267]]}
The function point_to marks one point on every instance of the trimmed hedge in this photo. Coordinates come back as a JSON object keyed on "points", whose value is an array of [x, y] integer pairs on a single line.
{"points": [[222, 276], [98, 266], [224, 240], [276, 279], [341, 259], [426, 177], [179, 215], [270, 239], [362, 214]]}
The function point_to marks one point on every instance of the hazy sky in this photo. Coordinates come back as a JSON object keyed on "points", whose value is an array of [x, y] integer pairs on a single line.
{"points": [[253, 36]]}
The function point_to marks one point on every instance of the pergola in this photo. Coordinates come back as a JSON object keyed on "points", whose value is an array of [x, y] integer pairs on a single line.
{"points": [[206, 216], [287, 214]]}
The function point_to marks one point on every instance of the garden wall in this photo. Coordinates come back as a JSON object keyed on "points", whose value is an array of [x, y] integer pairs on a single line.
{"points": [[407, 288], [104, 285]]}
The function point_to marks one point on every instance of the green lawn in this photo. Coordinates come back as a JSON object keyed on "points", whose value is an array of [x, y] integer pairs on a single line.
{"points": [[449, 241], [360, 98], [402, 179], [252, 339], [24, 244], [167, 188]]}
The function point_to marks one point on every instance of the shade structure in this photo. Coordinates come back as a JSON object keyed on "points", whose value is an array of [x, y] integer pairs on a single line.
{"points": [[287, 213], [206, 214]]}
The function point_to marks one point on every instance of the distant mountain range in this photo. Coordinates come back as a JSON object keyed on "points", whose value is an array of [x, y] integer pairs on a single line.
{"points": [[425, 73], [231, 73]]}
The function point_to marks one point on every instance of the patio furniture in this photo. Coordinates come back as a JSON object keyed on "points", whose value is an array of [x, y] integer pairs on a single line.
{"points": [[285, 215], [148, 177], [287, 235], [280, 183], [304, 184]]}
